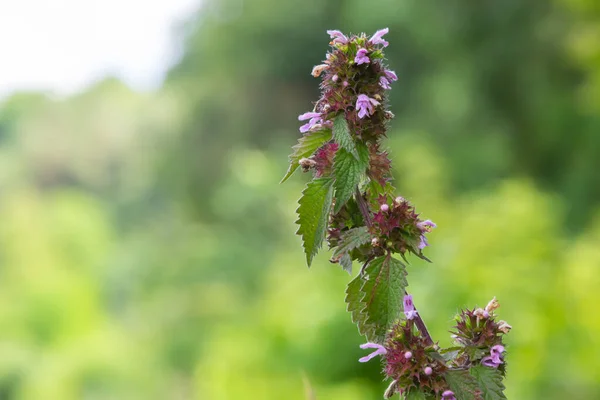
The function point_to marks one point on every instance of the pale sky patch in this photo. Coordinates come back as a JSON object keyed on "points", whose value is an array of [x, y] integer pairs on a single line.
{"points": [[62, 46]]}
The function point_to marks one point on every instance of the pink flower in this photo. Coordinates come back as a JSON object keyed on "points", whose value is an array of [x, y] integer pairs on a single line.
{"points": [[338, 37], [314, 117], [448, 395], [380, 351], [377, 37], [409, 307], [384, 83], [425, 227], [495, 358], [390, 75], [365, 105], [361, 57]]}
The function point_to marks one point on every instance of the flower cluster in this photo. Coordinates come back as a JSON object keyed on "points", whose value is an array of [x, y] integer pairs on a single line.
{"points": [[480, 336], [411, 360], [397, 227], [354, 82]]}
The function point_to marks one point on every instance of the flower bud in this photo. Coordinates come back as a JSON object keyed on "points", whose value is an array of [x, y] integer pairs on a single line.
{"points": [[428, 371], [408, 355], [345, 83], [492, 305], [318, 69], [399, 200], [375, 242], [481, 313], [384, 208], [504, 327], [334, 78]]}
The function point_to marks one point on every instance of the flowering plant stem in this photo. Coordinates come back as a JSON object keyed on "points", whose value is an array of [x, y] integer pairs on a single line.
{"points": [[350, 203]]}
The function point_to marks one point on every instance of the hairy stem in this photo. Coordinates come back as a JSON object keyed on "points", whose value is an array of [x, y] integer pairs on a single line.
{"points": [[422, 328], [364, 209]]}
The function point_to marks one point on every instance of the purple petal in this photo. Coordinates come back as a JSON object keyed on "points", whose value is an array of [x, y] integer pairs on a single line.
{"points": [[498, 349], [370, 345], [374, 102], [489, 362], [423, 243], [337, 36], [308, 115], [377, 37], [391, 75], [380, 351], [384, 83]]}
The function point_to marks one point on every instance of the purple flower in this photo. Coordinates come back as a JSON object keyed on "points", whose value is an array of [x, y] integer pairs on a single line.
{"points": [[338, 37], [384, 83], [390, 75], [448, 395], [380, 351], [314, 117], [365, 105], [426, 226], [495, 358], [361, 57], [428, 371], [409, 307], [377, 37]]}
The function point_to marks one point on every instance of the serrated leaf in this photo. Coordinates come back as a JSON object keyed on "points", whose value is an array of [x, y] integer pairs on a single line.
{"points": [[307, 145], [463, 385], [313, 215], [346, 262], [490, 382], [350, 240], [383, 293], [348, 172], [342, 135], [355, 306]]}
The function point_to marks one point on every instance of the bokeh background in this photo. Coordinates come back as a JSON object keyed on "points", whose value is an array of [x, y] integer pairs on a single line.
{"points": [[147, 250]]}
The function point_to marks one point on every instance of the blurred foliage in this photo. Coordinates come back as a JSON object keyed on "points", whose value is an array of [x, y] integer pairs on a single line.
{"points": [[147, 251]]}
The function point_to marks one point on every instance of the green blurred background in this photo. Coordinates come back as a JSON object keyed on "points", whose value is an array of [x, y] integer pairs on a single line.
{"points": [[147, 250]]}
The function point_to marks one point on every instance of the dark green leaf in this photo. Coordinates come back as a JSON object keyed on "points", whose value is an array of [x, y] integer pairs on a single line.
{"points": [[313, 215], [348, 172], [307, 145], [342, 135], [384, 291], [354, 297], [463, 385], [350, 240], [415, 394], [490, 382]]}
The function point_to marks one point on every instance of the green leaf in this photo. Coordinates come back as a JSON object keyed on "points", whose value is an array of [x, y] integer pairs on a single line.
{"points": [[307, 145], [350, 240], [342, 135], [490, 381], [313, 215], [463, 385], [415, 394], [348, 172], [384, 291], [355, 307]]}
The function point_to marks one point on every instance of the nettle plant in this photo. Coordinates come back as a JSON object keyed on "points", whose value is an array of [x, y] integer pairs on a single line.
{"points": [[351, 203]]}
